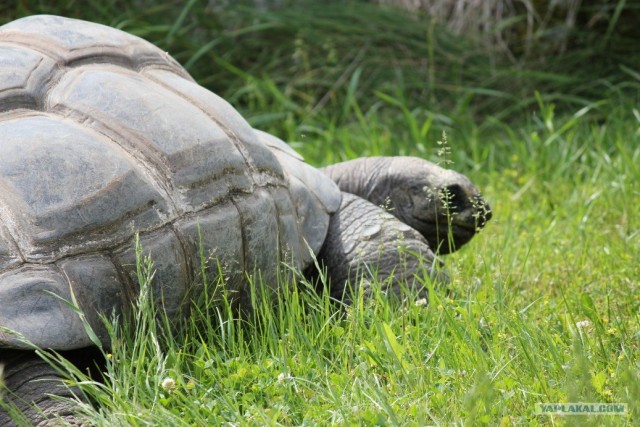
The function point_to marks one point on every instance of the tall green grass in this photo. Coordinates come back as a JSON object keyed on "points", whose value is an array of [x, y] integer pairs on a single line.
{"points": [[302, 61], [543, 304], [543, 307]]}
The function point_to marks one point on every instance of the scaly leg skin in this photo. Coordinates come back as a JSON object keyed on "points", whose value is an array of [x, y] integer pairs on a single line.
{"points": [[364, 238], [28, 381]]}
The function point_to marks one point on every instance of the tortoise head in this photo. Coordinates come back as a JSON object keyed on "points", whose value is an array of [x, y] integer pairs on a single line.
{"points": [[443, 205]]}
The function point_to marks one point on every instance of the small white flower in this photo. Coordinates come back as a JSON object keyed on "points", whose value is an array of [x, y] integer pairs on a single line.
{"points": [[168, 384], [583, 324], [483, 323], [282, 377], [421, 302]]}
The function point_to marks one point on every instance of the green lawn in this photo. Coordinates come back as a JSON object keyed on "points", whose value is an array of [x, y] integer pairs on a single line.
{"points": [[544, 303], [543, 308]]}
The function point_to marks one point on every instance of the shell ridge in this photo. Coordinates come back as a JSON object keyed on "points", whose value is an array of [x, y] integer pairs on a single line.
{"points": [[7, 220], [28, 95], [9, 236], [135, 56], [133, 146], [237, 142], [41, 45]]}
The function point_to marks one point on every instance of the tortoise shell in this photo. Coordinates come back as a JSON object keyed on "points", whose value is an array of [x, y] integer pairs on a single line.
{"points": [[102, 136]]}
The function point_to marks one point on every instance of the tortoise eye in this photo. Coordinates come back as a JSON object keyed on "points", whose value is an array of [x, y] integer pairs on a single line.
{"points": [[454, 192]]}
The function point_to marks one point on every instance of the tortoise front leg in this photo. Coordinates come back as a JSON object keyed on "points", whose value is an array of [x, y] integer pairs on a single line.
{"points": [[363, 239], [28, 385]]}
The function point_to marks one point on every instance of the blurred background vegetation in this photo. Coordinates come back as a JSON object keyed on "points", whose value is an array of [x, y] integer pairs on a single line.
{"points": [[442, 58], [296, 67]]}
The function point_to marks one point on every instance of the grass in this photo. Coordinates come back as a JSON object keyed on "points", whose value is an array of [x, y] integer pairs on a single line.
{"points": [[544, 303]]}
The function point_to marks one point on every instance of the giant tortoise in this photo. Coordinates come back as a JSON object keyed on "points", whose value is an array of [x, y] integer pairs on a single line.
{"points": [[104, 137]]}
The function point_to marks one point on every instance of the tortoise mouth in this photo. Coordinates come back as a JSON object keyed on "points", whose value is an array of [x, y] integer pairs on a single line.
{"points": [[444, 237]]}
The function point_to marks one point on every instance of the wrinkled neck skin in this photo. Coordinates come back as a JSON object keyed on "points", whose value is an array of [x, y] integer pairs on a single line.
{"points": [[369, 177], [441, 204]]}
